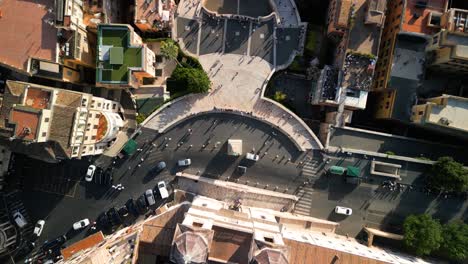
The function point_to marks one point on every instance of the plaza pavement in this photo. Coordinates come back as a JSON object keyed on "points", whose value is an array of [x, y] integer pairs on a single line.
{"points": [[238, 81]]}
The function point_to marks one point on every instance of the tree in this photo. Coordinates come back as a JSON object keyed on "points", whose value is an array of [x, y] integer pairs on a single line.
{"points": [[455, 246], [191, 79], [198, 81], [170, 50], [279, 96], [449, 175], [422, 234]]}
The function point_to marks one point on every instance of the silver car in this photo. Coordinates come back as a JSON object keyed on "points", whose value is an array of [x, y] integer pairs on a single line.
{"points": [[150, 197]]}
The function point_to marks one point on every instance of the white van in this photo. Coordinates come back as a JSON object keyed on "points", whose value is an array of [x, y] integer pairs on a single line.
{"points": [[163, 190], [19, 219], [251, 156]]}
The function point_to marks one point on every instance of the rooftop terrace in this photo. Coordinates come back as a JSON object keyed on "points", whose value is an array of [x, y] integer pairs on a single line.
{"points": [[416, 16], [116, 56], [358, 71], [37, 98], [364, 38]]}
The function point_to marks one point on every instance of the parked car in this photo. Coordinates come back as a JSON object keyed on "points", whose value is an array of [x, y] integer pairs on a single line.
{"points": [[150, 197], [160, 167], [81, 224], [141, 205], [103, 221], [251, 156], [90, 173], [163, 190], [343, 210], [242, 169], [107, 178], [123, 212], [98, 175], [19, 219], [58, 242], [131, 207], [39, 227], [184, 162], [114, 217]]}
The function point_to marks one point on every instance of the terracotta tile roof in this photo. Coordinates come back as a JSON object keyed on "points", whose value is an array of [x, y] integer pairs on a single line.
{"points": [[26, 122], [83, 244], [25, 36], [61, 128], [230, 245], [11, 96], [157, 234], [67, 98]]}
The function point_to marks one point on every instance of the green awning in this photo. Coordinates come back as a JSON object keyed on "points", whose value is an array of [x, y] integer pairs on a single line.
{"points": [[353, 171], [130, 147], [337, 170]]}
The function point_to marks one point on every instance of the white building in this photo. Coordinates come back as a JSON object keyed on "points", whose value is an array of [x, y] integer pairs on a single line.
{"points": [[71, 124]]}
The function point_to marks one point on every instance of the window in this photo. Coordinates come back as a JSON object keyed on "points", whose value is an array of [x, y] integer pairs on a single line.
{"points": [[114, 106], [95, 126], [93, 137], [69, 73], [159, 58], [86, 138], [268, 239], [44, 134], [159, 72], [420, 112], [99, 104], [46, 120]]}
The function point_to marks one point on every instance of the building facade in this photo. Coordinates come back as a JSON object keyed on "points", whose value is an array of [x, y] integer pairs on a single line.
{"points": [[52, 124], [154, 16], [209, 231], [123, 60], [446, 113], [448, 49], [408, 28]]}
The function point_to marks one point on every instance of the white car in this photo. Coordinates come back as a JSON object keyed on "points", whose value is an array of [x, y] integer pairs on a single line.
{"points": [[150, 197], [184, 162], [81, 224], [90, 173], [163, 190], [251, 156], [19, 219], [343, 210], [38, 227]]}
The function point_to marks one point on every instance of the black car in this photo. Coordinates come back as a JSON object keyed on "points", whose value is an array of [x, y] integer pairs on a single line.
{"points": [[123, 212], [141, 205], [131, 207], [54, 244], [114, 217], [98, 174], [107, 178]]}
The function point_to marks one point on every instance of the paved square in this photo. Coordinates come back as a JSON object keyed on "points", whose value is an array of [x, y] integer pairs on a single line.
{"points": [[237, 36], [261, 41], [188, 31], [288, 40], [212, 35]]}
